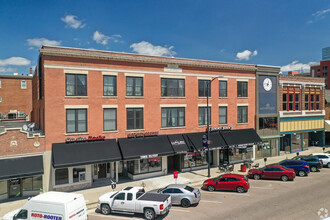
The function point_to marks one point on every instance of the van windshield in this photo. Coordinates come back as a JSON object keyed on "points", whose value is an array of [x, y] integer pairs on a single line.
{"points": [[114, 195]]}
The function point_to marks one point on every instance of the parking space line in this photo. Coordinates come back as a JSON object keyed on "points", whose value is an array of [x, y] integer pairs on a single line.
{"points": [[111, 216], [227, 193], [179, 210], [210, 201]]}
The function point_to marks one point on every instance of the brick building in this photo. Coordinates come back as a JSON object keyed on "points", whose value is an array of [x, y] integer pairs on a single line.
{"points": [[302, 112], [15, 96], [134, 103]]}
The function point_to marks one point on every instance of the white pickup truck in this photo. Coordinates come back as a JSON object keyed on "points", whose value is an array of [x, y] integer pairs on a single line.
{"points": [[134, 200]]}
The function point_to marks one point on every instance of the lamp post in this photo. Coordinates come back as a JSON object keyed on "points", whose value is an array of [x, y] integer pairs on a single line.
{"points": [[208, 125]]}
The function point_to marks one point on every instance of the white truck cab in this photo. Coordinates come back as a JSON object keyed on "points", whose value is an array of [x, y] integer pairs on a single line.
{"points": [[51, 206], [134, 200]]}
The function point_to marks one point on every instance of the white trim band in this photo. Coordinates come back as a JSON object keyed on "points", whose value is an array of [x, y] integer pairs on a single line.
{"points": [[76, 71], [75, 106], [134, 74], [110, 73], [242, 80], [222, 105], [109, 106], [204, 105], [172, 77], [242, 104], [172, 105], [134, 106]]}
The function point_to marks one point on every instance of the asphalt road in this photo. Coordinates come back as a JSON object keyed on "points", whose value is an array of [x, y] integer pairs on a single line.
{"points": [[301, 199]]}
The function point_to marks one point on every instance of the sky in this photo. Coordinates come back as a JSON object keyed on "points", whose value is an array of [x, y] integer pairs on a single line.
{"points": [[289, 34]]}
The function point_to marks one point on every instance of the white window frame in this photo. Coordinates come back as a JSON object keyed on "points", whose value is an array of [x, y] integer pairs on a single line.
{"points": [[22, 84]]}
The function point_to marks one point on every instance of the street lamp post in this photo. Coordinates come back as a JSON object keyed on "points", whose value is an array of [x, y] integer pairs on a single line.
{"points": [[208, 125]]}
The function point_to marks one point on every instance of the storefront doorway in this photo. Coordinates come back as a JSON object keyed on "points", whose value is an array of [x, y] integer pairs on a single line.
{"points": [[14, 188], [102, 170], [223, 156]]}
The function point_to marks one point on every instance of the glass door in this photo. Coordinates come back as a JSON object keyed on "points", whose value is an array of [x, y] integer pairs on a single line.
{"points": [[14, 188]]}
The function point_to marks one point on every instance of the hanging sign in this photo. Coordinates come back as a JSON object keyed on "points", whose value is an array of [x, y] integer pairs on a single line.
{"points": [[220, 128], [142, 134], [83, 139]]}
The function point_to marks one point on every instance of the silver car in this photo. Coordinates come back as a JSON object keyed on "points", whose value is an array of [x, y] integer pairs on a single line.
{"points": [[181, 194]]}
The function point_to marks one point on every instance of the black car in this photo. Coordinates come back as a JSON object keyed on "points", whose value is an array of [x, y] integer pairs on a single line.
{"points": [[314, 163]]}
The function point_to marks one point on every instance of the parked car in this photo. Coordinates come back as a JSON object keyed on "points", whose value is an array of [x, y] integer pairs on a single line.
{"points": [[272, 172], [52, 205], [300, 167], [181, 194], [324, 157], [233, 182], [314, 163], [134, 200]]}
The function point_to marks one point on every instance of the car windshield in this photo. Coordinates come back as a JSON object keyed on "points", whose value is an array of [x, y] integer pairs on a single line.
{"points": [[114, 195], [216, 178], [189, 188], [161, 189], [262, 168], [285, 168]]}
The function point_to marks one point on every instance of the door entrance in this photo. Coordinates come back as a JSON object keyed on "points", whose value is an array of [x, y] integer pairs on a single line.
{"points": [[14, 188], [223, 157], [102, 170]]}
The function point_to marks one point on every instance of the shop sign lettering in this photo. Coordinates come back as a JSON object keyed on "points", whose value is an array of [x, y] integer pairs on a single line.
{"points": [[143, 134], [82, 139], [176, 143], [51, 217], [221, 128], [148, 156]]}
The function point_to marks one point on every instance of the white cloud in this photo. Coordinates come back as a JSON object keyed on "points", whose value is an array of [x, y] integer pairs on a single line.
{"points": [[15, 61], [100, 38], [7, 69], [147, 48], [319, 15], [38, 42], [296, 66], [246, 55], [73, 22]]}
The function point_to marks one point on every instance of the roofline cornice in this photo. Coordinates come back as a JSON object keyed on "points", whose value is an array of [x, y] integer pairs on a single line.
{"points": [[145, 59]]}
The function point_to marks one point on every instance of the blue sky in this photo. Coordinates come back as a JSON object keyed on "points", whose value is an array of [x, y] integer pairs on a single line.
{"points": [[283, 33]]}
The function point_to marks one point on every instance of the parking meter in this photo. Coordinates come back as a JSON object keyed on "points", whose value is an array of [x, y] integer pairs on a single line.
{"points": [[265, 159]]}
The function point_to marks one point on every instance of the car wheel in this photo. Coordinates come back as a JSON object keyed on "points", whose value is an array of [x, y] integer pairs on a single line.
{"points": [[313, 168], [149, 214], [256, 176], [185, 203], [211, 188], [302, 173], [240, 189], [328, 165], [284, 178], [105, 209]]}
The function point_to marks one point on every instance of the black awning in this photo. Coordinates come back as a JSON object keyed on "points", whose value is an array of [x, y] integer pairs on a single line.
{"points": [[195, 140], [21, 167], [82, 153], [241, 137], [217, 141], [178, 143], [145, 147]]}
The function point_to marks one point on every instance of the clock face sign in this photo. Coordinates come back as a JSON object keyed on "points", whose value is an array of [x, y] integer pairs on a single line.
{"points": [[267, 84]]}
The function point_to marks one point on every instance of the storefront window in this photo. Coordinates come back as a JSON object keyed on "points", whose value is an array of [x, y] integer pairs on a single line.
{"points": [[32, 183], [145, 165], [27, 184], [296, 142], [240, 154], [78, 174], [37, 183], [3, 188], [194, 159], [61, 176]]}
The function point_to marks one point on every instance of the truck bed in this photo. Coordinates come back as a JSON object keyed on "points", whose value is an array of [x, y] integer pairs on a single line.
{"points": [[154, 197]]}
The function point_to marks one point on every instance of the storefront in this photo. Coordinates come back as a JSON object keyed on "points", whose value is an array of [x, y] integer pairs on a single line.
{"points": [[298, 133], [146, 156], [78, 164], [21, 176]]}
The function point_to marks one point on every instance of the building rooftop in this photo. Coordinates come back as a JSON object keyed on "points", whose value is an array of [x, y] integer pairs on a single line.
{"points": [[4, 76]]}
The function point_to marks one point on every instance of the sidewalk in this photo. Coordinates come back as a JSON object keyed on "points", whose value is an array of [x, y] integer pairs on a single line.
{"points": [[193, 178]]}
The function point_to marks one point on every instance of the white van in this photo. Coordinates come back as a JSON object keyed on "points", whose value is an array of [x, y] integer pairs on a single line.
{"points": [[52, 206]]}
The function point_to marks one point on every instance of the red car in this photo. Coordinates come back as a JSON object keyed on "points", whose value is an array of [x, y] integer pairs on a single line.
{"points": [[233, 182], [272, 172]]}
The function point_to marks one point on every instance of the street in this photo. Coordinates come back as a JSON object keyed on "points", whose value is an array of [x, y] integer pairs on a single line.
{"points": [[266, 199]]}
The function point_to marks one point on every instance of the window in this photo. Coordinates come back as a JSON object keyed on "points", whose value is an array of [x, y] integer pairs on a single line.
{"points": [[312, 99], [23, 214], [32, 183], [242, 114], [76, 120], [0, 99], [204, 88], [291, 98], [76, 85], [23, 84], [223, 115], [177, 191], [134, 118], [168, 191], [129, 196], [242, 89], [109, 85], [79, 174], [134, 86], [222, 88], [145, 165], [325, 74], [0, 83], [268, 123], [268, 169], [277, 169], [173, 87], [61, 176], [120, 196], [3, 187], [324, 68], [173, 117], [109, 119], [203, 115]]}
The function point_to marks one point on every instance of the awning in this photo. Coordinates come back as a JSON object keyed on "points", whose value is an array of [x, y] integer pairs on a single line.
{"points": [[178, 143], [241, 137], [21, 167], [194, 140], [145, 147], [82, 153], [217, 141], [327, 125]]}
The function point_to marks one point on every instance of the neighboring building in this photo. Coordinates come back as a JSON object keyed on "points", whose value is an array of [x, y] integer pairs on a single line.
{"points": [[267, 125], [326, 53], [322, 70], [15, 96], [144, 115], [302, 112]]}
